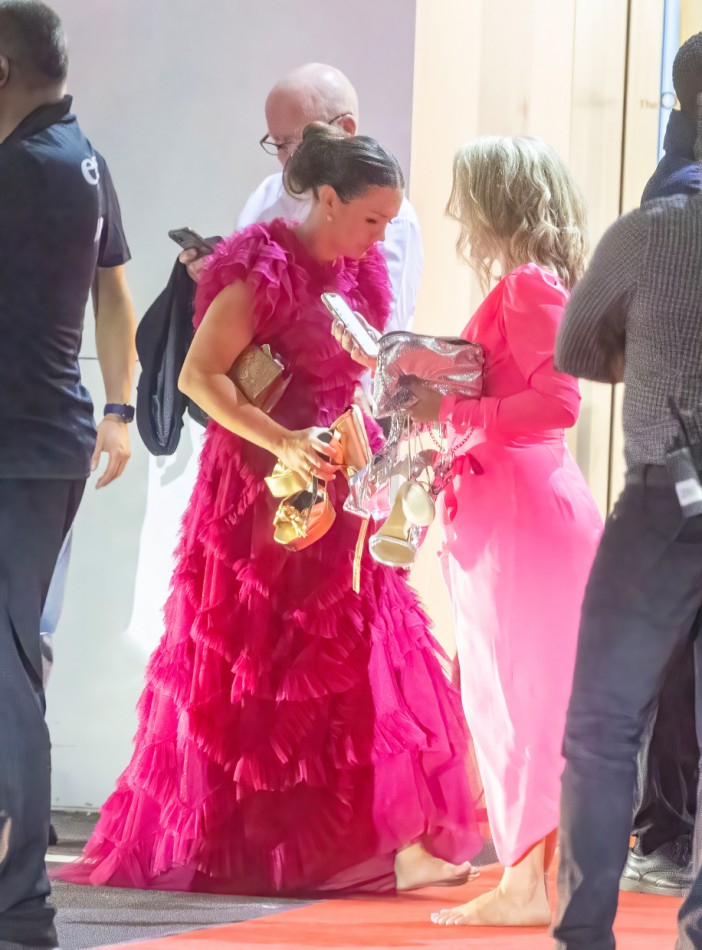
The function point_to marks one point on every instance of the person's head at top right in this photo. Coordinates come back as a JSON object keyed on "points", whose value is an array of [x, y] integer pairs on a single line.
{"points": [[687, 75]]}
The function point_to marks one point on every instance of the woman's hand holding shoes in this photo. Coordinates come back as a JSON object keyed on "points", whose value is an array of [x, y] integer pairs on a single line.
{"points": [[304, 452]]}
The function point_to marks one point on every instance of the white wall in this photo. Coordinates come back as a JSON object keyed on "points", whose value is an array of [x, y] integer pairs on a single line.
{"points": [[172, 93]]}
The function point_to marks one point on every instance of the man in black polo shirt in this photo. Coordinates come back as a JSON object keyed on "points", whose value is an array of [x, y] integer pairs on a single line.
{"points": [[60, 235]]}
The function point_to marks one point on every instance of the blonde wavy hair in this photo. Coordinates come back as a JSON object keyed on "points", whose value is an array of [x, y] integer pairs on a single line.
{"points": [[517, 203]]}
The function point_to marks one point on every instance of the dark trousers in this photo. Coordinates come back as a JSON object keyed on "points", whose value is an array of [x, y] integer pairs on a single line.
{"points": [[35, 515], [640, 605], [666, 800]]}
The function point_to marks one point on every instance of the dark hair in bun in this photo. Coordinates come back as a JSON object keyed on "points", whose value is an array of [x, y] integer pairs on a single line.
{"points": [[351, 164]]}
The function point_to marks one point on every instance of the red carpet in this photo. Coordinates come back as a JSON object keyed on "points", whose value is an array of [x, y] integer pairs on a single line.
{"points": [[644, 923]]}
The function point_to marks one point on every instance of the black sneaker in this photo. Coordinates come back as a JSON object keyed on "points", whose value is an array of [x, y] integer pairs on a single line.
{"points": [[667, 870]]}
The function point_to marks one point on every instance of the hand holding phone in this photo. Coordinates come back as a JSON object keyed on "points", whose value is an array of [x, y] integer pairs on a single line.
{"points": [[190, 240], [361, 333]]}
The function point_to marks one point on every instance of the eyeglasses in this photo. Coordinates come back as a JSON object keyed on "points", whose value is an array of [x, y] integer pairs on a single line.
{"points": [[280, 148]]}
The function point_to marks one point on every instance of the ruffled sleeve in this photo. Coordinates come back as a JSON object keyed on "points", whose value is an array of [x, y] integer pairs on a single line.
{"points": [[254, 256], [532, 309], [374, 292]]}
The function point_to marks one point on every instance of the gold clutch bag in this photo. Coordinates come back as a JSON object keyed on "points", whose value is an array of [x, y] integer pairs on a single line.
{"points": [[260, 376]]}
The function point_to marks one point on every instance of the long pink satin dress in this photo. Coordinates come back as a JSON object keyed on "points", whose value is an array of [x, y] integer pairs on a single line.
{"points": [[520, 529]]}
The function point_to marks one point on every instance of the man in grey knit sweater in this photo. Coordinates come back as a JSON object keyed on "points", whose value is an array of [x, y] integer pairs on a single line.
{"points": [[636, 316], [660, 861]]}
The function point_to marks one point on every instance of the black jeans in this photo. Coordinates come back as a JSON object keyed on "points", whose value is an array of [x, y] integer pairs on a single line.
{"points": [[641, 601], [35, 515], [666, 800]]}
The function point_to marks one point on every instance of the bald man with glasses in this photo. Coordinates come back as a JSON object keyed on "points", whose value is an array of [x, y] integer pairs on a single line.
{"points": [[319, 93]]}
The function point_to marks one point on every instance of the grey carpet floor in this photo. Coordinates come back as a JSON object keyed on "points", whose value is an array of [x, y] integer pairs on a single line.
{"points": [[97, 916]]}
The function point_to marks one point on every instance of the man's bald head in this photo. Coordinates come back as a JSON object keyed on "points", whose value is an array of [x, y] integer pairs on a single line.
{"points": [[312, 93]]}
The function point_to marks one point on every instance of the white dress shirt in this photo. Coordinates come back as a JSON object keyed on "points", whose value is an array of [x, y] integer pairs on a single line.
{"points": [[402, 247]]}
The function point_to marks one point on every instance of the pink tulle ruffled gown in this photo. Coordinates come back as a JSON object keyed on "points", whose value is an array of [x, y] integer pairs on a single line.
{"points": [[520, 530], [292, 735]]}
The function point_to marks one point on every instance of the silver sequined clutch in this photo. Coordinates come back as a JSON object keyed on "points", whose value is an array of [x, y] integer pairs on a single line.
{"points": [[451, 366]]}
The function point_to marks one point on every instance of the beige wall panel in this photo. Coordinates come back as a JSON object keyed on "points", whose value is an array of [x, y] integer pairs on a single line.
{"points": [[642, 118], [446, 103], [526, 70], [481, 67], [643, 99], [494, 67], [690, 18], [599, 67], [446, 99]]}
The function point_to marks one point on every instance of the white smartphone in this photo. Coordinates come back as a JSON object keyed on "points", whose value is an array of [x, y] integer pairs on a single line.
{"points": [[338, 307]]}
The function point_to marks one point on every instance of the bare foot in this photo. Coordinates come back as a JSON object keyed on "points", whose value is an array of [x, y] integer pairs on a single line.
{"points": [[415, 867], [499, 909]]}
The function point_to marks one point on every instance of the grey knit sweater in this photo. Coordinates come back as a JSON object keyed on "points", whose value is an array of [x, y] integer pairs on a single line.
{"points": [[642, 297]]}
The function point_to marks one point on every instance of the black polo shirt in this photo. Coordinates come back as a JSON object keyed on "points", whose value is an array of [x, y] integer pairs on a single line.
{"points": [[59, 220]]}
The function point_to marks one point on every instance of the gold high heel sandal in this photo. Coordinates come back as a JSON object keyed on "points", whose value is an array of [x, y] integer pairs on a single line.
{"points": [[305, 514], [283, 481], [304, 517], [357, 455], [355, 446]]}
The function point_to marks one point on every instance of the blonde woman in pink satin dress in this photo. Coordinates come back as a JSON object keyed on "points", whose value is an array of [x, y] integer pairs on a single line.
{"points": [[520, 527]]}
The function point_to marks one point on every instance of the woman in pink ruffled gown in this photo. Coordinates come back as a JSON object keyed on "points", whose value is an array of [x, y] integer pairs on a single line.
{"points": [[293, 736]]}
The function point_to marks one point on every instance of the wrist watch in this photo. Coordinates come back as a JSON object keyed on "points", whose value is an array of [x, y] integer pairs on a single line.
{"points": [[124, 411]]}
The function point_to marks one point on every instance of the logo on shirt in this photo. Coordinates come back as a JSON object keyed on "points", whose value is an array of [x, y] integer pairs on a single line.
{"points": [[89, 167]]}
